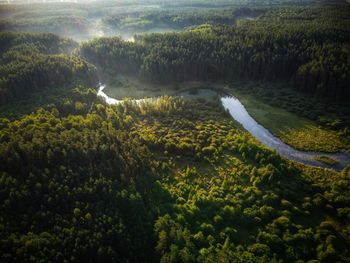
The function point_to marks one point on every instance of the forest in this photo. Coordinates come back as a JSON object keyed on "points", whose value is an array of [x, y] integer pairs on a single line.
{"points": [[311, 54], [172, 178], [33, 62]]}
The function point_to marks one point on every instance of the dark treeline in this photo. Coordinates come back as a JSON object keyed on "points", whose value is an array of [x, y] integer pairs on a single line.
{"points": [[32, 62], [309, 51], [44, 42]]}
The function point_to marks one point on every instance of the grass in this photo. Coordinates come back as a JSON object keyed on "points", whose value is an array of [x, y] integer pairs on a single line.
{"points": [[297, 131], [326, 159], [313, 138], [122, 86], [272, 118]]}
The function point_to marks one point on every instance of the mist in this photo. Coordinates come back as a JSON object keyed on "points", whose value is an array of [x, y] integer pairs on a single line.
{"points": [[83, 20]]}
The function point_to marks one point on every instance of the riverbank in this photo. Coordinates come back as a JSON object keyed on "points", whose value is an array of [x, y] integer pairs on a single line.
{"points": [[240, 114], [301, 132], [294, 121], [237, 110], [123, 86]]}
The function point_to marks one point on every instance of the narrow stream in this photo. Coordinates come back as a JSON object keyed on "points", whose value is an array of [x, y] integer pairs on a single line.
{"points": [[241, 115]]}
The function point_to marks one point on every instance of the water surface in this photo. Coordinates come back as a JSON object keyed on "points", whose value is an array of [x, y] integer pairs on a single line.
{"points": [[241, 115]]}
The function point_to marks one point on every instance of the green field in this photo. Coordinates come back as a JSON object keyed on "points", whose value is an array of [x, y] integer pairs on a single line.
{"points": [[123, 86]]}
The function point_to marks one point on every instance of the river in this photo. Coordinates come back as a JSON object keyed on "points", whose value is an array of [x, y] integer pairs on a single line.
{"points": [[238, 112], [241, 115]]}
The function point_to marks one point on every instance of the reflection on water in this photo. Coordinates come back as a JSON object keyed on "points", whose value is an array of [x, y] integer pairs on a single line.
{"points": [[112, 101], [108, 100], [240, 114]]}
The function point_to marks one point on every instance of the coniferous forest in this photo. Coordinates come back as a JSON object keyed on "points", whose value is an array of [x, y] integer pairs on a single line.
{"points": [[122, 137]]}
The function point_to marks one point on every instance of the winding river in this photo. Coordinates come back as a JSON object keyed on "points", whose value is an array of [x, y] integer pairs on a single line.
{"points": [[241, 115]]}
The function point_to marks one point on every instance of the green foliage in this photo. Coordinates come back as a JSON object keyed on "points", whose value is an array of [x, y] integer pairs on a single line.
{"points": [[29, 64], [76, 212], [79, 182], [167, 180], [236, 206], [105, 185]]}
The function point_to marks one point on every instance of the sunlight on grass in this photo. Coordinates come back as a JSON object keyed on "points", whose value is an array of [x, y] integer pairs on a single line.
{"points": [[313, 138], [296, 131], [326, 159]]}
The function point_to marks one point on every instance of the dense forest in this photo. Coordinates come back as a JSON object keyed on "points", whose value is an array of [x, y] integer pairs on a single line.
{"points": [[110, 184], [309, 49], [33, 62], [172, 179]]}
